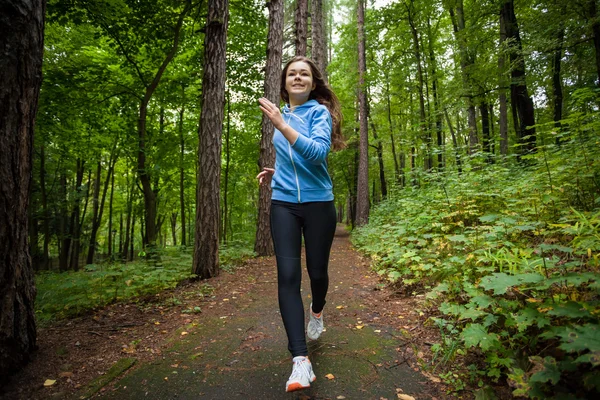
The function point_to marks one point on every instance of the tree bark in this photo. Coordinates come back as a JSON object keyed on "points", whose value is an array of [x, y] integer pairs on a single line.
{"points": [[362, 196], [263, 245], [301, 26], [436, 101], [519, 96], [422, 115], [21, 46], [182, 169], [557, 91], [593, 15], [455, 143], [502, 83], [45, 212], [206, 248], [391, 127], [318, 53], [150, 211], [485, 130], [224, 218], [110, 216], [466, 60]]}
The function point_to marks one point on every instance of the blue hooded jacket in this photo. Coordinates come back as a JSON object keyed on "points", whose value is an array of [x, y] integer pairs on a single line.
{"points": [[301, 169]]}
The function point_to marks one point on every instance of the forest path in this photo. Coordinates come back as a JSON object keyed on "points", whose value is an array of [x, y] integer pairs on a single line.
{"points": [[237, 348]]}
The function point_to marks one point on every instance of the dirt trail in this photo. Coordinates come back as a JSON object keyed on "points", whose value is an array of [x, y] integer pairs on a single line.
{"points": [[236, 347]]}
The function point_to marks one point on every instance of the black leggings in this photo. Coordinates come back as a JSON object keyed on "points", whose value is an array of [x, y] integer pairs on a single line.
{"points": [[317, 220]]}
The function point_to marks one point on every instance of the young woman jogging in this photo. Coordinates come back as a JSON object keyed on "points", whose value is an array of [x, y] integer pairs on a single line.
{"points": [[302, 201]]}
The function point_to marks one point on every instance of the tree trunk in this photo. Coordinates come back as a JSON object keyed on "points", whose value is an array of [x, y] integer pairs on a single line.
{"points": [[225, 218], [174, 228], [206, 248], [263, 245], [593, 16], [557, 92], [150, 211], [379, 150], [519, 96], [362, 196], [436, 101], [99, 203], [301, 26], [128, 219], [466, 61], [182, 169], [318, 53], [21, 46], [63, 224], [391, 126], [455, 143], [111, 234], [45, 212], [502, 83], [485, 130], [76, 231], [422, 116]]}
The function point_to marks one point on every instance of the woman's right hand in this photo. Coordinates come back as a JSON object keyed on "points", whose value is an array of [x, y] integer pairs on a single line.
{"points": [[265, 176]]}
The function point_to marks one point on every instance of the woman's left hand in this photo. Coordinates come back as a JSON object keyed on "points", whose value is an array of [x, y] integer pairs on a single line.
{"points": [[272, 112]]}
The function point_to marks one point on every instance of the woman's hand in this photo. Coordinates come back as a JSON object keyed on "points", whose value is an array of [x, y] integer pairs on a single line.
{"points": [[265, 176], [272, 112]]}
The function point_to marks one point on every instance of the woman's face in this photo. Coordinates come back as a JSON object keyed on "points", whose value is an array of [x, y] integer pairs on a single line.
{"points": [[299, 82]]}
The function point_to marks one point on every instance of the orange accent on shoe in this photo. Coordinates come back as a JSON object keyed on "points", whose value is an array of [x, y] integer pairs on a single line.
{"points": [[296, 386]]}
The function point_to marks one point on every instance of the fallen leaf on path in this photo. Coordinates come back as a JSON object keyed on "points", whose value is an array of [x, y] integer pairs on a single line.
{"points": [[184, 333], [341, 397], [340, 307], [49, 382], [330, 376], [359, 326], [405, 397], [377, 331]]}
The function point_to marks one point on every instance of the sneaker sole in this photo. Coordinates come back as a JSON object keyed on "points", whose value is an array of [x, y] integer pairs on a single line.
{"points": [[298, 386]]}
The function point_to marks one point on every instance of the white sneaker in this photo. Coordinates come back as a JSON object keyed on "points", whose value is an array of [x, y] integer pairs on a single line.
{"points": [[302, 375], [315, 325]]}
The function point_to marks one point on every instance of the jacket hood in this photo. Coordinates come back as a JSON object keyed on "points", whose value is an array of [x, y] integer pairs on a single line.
{"points": [[304, 106]]}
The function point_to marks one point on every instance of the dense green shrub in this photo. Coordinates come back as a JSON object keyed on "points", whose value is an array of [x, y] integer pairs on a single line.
{"points": [[512, 252]]}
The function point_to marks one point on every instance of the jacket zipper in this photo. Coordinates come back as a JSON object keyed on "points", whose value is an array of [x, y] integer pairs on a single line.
{"points": [[294, 165]]}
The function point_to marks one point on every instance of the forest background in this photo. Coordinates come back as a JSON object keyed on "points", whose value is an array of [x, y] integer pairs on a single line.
{"points": [[472, 168]]}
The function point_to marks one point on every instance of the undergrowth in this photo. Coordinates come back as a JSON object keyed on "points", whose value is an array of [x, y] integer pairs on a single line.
{"points": [[67, 294], [510, 255]]}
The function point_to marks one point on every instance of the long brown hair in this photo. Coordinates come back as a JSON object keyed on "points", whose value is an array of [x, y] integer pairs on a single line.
{"points": [[323, 94]]}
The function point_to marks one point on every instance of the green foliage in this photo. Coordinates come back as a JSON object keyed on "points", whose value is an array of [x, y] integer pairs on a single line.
{"points": [[62, 295], [512, 255]]}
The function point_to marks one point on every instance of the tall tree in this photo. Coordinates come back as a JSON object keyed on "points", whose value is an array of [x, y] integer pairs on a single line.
{"points": [[362, 200], [502, 85], [301, 27], [318, 50], [521, 103], [457, 14], [263, 245], [21, 46], [206, 247]]}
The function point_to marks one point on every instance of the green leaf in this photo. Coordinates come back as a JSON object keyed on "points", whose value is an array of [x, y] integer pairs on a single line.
{"points": [[477, 335], [500, 282], [580, 338], [550, 371], [592, 358], [571, 309], [489, 217], [457, 238]]}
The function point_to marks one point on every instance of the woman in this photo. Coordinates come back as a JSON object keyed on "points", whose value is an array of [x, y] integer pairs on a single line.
{"points": [[302, 201]]}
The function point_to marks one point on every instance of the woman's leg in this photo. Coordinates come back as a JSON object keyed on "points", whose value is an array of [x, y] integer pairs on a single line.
{"points": [[320, 220], [286, 228]]}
